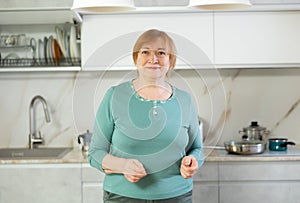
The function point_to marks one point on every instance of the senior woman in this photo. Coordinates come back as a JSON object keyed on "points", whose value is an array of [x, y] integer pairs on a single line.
{"points": [[146, 135]]}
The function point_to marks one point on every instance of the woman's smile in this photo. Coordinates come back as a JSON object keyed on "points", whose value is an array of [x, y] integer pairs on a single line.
{"points": [[153, 67]]}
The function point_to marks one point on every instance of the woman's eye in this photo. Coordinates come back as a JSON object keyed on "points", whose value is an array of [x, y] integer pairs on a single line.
{"points": [[144, 52], [161, 53]]}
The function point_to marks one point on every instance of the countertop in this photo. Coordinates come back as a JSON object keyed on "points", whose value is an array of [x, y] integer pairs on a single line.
{"points": [[221, 155], [211, 155]]}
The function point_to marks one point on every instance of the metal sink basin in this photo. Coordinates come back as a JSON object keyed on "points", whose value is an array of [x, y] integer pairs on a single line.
{"points": [[39, 153]]}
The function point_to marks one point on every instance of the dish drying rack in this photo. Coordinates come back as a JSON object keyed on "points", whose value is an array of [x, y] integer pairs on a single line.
{"points": [[62, 50], [16, 57], [25, 62]]}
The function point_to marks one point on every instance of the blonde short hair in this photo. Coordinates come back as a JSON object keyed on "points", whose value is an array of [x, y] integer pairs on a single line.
{"points": [[152, 35]]}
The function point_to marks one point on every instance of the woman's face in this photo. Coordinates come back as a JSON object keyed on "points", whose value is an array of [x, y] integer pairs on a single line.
{"points": [[153, 60]]}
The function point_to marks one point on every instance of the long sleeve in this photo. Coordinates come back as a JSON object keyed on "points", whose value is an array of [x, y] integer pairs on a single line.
{"points": [[103, 130], [195, 143]]}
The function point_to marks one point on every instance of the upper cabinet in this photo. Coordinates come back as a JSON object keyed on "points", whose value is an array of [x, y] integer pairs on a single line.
{"points": [[257, 39], [239, 39], [35, 12], [39, 36], [108, 40]]}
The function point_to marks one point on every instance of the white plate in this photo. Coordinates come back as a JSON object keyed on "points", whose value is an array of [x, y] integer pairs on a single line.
{"points": [[75, 53], [38, 52], [74, 49], [65, 35], [60, 40], [41, 50], [49, 50]]}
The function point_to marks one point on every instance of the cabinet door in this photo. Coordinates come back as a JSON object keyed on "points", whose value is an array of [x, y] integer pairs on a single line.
{"points": [[107, 40], [92, 182], [35, 183], [257, 38], [92, 192], [260, 191], [206, 184], [274, 182]]}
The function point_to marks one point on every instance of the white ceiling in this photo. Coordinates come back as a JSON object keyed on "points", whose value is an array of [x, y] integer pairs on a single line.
{"points": [[146, 3]]}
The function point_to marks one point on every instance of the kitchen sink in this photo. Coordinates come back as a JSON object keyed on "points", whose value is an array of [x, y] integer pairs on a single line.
{"points": [[38, 153]]}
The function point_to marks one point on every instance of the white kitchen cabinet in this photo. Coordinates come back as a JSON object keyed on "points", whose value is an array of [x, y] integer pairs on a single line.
{"points": [[35, 12], [257, 39], [35, 183], [92, 182], [250, 182], [38, 20], [35, 16], [31, 57], [206, 186], [107, 40], [216, 182]]}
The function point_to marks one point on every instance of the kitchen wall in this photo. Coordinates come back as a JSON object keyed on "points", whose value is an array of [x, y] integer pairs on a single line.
{"points": [[227, 101]]}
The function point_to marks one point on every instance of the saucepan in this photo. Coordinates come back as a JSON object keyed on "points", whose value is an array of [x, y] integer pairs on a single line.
{"points": [[279, 144], [254, 132], [245, 147]]}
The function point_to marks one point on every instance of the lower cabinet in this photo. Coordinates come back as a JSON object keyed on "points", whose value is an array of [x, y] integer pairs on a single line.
{"points": [[36, 183], [92, 180], [206, 187], [216, 182], [92, 192], [250, 182]]}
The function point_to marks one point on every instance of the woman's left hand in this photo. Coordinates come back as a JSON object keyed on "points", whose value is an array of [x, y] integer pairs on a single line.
{"points": [[189, 166]]}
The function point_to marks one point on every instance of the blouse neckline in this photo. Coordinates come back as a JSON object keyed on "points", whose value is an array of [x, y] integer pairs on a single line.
{"points": [[151, 100]]}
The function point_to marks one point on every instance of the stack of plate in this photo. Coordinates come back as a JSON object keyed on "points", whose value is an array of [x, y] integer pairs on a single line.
{"points": [[48, 51], [51, 50], [67, 41]]}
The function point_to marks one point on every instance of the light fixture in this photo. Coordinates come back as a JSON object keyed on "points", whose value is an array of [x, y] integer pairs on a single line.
{"points": [[98, 6], [219, 4]]}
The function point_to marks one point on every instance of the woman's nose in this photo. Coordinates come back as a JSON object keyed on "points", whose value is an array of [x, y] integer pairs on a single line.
{"points": [[153, 57]]}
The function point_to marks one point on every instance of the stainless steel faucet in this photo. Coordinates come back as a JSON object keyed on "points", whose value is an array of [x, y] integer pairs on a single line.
{"points": [[35, 136]]}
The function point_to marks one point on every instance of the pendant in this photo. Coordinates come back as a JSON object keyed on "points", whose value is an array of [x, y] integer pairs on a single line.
{"points": [[154, 111]]}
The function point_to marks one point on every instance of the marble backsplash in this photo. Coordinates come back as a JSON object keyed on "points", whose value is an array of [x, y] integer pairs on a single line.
{"points": [[227, 101]]}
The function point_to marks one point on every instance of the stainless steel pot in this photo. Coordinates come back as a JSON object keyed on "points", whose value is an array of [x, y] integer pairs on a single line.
{"points": [[254, 132], [245, 147]]}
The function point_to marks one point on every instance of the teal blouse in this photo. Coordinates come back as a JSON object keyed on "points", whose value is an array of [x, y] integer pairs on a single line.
{"points": [[158, 133]]}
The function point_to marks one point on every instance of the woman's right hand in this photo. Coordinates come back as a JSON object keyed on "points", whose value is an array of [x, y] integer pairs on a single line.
{"points": [[133, 170]]}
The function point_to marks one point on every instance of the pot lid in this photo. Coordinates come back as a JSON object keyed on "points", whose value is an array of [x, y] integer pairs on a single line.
{"points": [[254, 126]]}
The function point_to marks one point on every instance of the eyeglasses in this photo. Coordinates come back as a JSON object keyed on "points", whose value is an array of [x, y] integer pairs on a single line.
{"points": [[160, 53]]}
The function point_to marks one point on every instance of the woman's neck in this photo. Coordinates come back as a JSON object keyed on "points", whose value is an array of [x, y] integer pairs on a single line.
{"points": [[150, 82], [152, 90]]}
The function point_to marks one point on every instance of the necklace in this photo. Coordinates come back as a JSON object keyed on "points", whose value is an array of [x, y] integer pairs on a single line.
{"points": [[154, 94], [153, 91], [154, 109]]}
